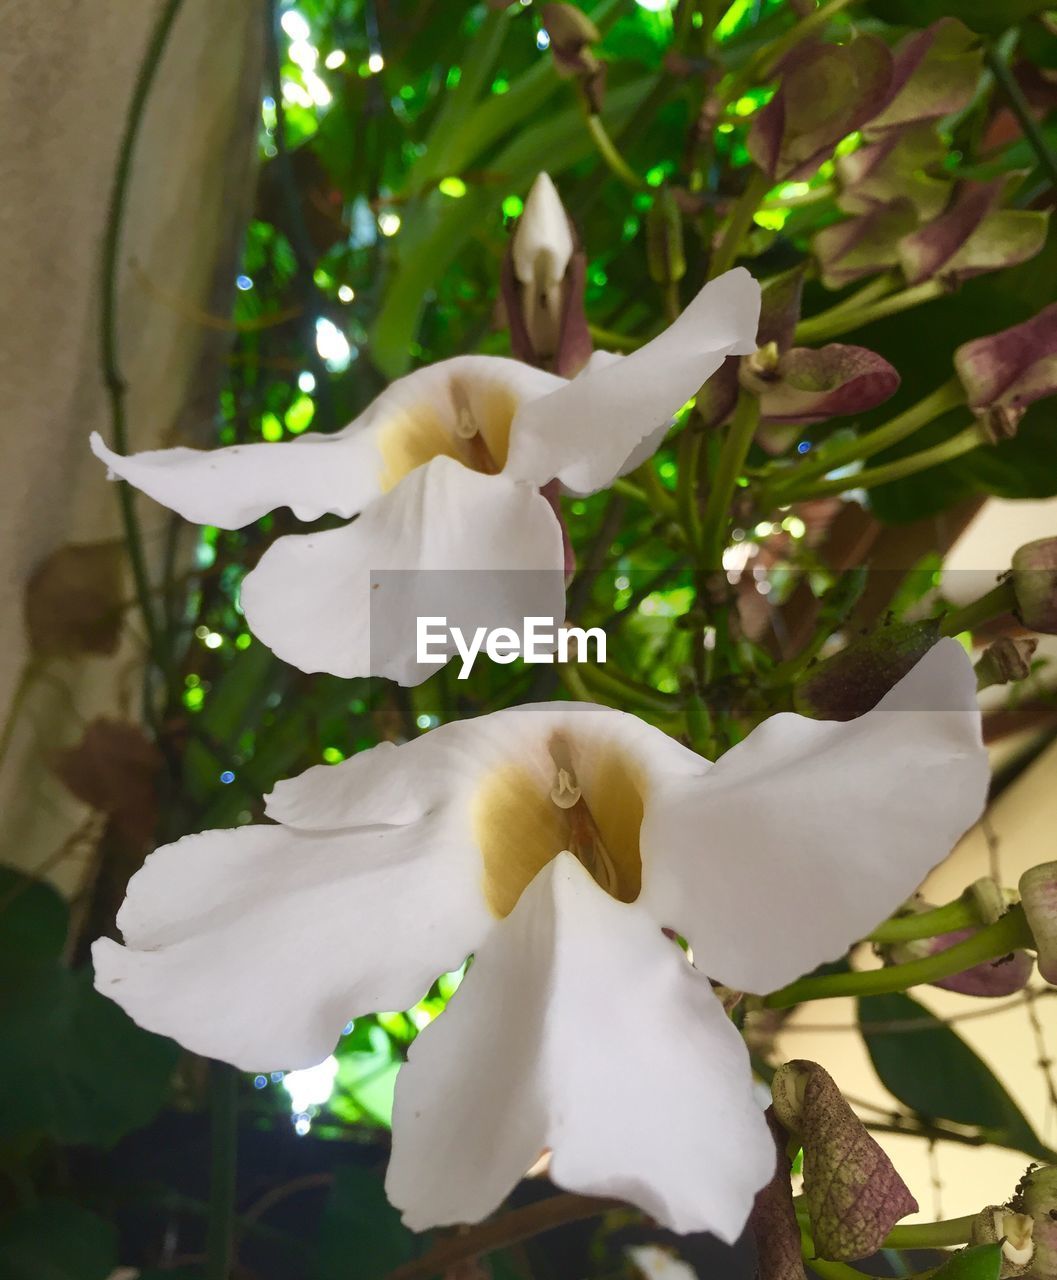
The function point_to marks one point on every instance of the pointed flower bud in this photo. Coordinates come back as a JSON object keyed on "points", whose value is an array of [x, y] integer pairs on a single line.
{"points": [[854, 1195], [1035, 584], [1037, 1197], [1006, 660], [773, 1218], [1038, 893], [995, 978], [542, 284], [854, 680], [572, 34], [806, 386], [997, 1224], [665, 256], [1008, 371], [826, 92]]}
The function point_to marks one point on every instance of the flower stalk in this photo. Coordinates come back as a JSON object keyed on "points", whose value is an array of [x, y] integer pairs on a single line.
{"points": [[994, 604], [998, 939], [959, 914], [843, 319], [964, 441]]}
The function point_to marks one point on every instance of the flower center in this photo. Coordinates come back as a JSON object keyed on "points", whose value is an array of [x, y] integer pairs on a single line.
{"points": [[467, 420], [581, 797]]}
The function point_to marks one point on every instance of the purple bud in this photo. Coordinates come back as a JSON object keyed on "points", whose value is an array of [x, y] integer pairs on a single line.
{"points": [[1012, 369], [994, 978], [572, 33], [807, 386]]}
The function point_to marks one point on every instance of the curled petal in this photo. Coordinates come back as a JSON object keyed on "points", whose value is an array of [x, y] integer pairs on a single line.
{"points": [[860, 811], [584, 432], [412, 421], [826, 92], [863, 246], [577, 1010], [257, 945], [447, 542], [1012, 369], [935, 73], [810, 386]]}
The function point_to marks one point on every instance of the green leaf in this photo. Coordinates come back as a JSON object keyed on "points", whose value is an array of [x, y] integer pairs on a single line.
{"points": [[982, 1262], [361, 1236], [937, 1075], [33, 919], [74, 1065], [57, 1240]]}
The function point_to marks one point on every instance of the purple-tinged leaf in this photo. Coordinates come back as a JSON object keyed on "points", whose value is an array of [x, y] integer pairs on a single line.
{"points": [[899, 166], [773, 1218], [1007, 372], [935, 73], [863, 246]]}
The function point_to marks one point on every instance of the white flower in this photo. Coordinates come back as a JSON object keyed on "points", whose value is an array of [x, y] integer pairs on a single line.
{"points": [[553, 842], [444, 469]]}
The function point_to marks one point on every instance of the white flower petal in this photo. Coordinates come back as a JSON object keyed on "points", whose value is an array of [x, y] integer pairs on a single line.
{"points": [[582, 1029], [325, 602], [257, 945], [543, 242], [339, 474], [584, 432], [312, 475], [808, 833]]}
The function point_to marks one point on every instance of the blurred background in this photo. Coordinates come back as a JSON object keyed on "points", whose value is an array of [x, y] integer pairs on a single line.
{"points": [[236, 220]]}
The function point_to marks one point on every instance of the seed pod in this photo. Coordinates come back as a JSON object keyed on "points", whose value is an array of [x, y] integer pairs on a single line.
{"points": [[1038, 894], [1035, 584]]}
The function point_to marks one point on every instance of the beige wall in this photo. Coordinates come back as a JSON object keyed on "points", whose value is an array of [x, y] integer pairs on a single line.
{"points": [[66, 74]]}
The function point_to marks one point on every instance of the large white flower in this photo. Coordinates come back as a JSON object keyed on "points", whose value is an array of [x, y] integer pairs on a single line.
{"points": [[553, 842], [444, 470]]}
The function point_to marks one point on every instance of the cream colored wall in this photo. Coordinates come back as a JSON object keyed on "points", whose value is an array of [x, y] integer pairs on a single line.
{"points": [[67, 71]]}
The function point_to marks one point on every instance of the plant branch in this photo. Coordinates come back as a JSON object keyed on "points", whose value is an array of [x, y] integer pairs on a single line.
{"points": [[843, 318], [959, 914]]}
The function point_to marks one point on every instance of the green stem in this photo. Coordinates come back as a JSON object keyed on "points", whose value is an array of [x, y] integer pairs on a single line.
{"points": [[841, 453], [109, 356], [625, 692], [223, 1133], [931, 1235], [740, 222], [731, 460], [842, 319], [1001, 600], [993, 941], [1020, 107], [618, 166], [959, 914], [689, 454], [824, 191], [964, 442]]}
